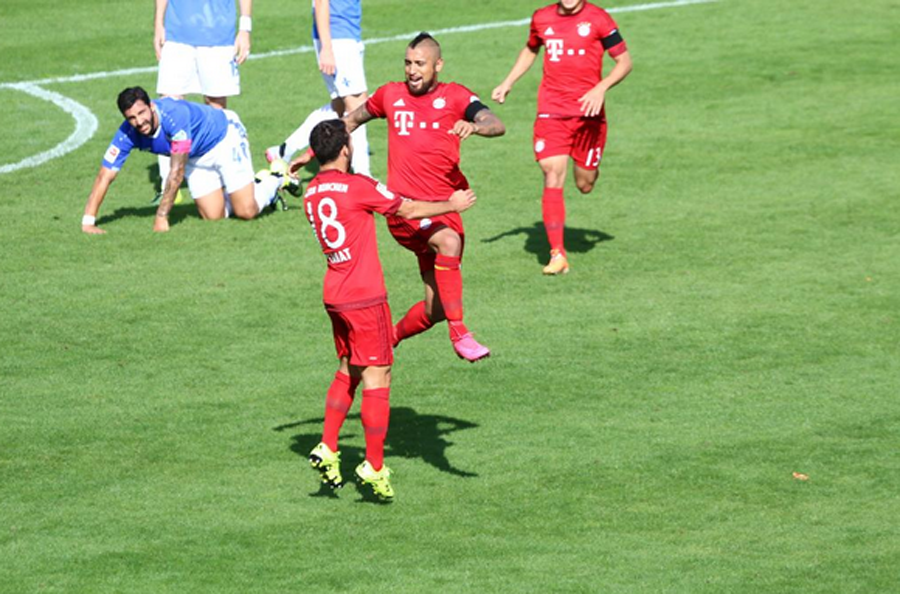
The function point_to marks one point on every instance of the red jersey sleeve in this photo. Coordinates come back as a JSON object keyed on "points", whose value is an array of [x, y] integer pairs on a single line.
{"points": [[534, 42], [462, 98], [610, 38], [375, 103], [378, 198]]}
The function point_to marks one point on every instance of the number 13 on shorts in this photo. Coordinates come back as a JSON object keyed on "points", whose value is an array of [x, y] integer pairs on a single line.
{"points": [[593, 157]]}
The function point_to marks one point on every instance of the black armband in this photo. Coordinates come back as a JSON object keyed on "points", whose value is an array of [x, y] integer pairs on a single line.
{"points": [[612, 40], [473, 109]]}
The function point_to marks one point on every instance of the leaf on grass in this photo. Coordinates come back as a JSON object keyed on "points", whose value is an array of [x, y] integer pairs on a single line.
{"points": [[801, 477]]}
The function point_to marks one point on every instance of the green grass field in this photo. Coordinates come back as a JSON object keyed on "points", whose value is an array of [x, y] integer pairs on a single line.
{"points": [[731, 318]]}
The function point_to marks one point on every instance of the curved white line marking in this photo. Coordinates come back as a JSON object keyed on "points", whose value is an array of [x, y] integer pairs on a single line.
{"points": [[86, 122], [85, 126]]}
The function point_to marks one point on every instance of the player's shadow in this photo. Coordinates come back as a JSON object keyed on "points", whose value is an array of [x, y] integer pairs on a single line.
{"points": [[178, 213], [410, 435], [153, 175], [577, 240]]}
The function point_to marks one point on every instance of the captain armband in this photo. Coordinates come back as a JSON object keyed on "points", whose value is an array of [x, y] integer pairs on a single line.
{"points": [[612, 40], [473, 109]]}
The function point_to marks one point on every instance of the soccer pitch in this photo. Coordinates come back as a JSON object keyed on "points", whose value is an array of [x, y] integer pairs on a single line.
{"points": [[730, 326]]}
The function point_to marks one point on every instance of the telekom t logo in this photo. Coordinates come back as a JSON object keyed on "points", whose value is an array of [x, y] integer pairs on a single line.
{"points": [[404, 121], [555, 49]]}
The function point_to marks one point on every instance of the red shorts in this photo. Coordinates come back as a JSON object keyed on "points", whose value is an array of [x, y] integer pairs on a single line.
{"points": [[414, 235], [583, 139], [364, 335]]}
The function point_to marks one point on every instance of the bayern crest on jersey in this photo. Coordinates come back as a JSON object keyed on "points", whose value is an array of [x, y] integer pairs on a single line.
{"points": [[439, 103], [584, 29]]}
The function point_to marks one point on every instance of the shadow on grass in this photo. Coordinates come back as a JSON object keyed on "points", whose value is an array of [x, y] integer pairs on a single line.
{"points": [[411, 435], [153, 176], [179, 211], [577, 240], [178, 214]]}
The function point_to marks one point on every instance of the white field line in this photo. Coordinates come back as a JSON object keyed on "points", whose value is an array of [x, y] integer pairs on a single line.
{"points": [[86, 122], [85, 126]]}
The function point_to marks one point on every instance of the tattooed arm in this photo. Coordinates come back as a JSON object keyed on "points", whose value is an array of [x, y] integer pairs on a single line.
{"points": [[479, 120], [173, 182]]}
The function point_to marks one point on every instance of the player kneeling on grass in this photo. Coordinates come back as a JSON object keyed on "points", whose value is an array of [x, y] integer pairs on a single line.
{"points": [[339, 206], [208, 146]]}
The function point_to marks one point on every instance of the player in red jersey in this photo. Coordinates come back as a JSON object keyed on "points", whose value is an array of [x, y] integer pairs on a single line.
{"points": [[571, 120], [427, 121], [339, 206]]}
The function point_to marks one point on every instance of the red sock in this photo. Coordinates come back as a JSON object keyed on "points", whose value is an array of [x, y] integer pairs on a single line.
{"points": [[553, 207], [449, 284], [457, 330], [414, 322], [337, 403], [375, 413]]}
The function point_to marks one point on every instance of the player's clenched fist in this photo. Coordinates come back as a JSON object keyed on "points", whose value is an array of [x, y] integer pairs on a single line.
{"points": [[500, 92]]}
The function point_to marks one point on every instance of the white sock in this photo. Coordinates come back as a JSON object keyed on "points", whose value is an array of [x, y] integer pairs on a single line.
{"points": [[300, 138], [229, 210], [360, 162], [264, 190]]}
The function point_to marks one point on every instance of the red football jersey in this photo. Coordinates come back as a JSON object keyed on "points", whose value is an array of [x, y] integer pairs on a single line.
{"points": [[423, 157], [339, 207], [573, 54]]}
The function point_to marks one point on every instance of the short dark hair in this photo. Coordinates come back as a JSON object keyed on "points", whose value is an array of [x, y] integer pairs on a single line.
{"points": [[130, 96], [423, 36], [327, 140]]}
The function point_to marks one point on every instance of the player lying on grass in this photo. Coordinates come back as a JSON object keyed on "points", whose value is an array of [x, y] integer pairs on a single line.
{"points": [[208, 146], [339, 206]]}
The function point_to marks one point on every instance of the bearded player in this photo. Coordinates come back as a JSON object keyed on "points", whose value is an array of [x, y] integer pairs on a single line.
{"points": [[571, 120], [427, 121], [339, 206], [208, 147]]}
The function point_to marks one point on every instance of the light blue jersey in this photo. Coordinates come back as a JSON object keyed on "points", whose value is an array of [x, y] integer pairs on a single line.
{"points": [[201, 22], [346, 20], [184, 127]]}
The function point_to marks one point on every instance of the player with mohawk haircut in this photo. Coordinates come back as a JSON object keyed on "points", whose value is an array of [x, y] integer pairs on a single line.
{"points": [[427, 122]]}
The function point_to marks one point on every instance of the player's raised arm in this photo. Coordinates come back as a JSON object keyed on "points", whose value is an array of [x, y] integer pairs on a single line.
{"points": [[459, 201], [526, 58], [104, 178], [173, 182], [479, 120], [357, 118]]}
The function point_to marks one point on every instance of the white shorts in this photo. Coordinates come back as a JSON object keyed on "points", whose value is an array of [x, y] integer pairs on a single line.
{"points": [[210, 71], [227, 165], [349, 77]]}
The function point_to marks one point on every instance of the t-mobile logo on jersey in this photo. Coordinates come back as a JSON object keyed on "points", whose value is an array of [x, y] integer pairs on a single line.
{"points": [[555, 49], [404, 121]]}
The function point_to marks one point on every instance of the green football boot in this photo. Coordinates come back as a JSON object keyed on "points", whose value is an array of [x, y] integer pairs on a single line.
{"points": [[328, 463], [379, 480]]}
